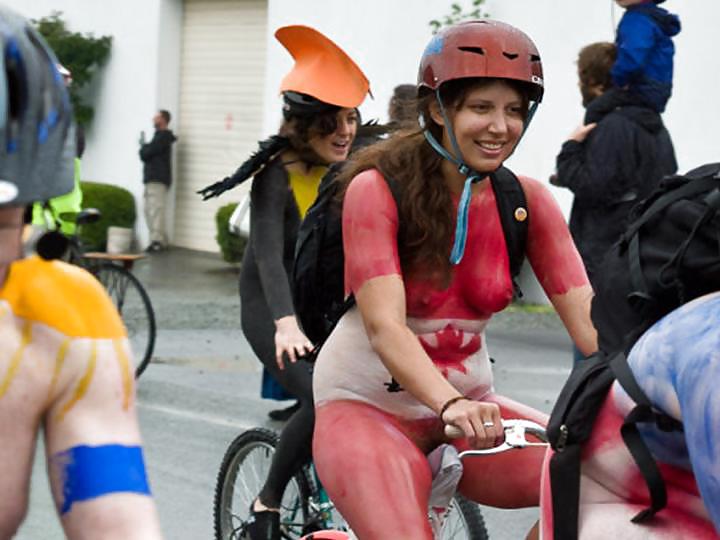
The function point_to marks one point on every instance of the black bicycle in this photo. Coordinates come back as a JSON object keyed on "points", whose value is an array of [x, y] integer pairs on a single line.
{"points": [[127, 293]]}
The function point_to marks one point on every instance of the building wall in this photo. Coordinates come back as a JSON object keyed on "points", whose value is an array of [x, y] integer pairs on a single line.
{"points": [[140, 76]]}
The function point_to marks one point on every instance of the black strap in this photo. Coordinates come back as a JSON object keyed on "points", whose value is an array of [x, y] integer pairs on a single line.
{"points": [[514, 218], [565, 488], [639, 297], [643, 412]]}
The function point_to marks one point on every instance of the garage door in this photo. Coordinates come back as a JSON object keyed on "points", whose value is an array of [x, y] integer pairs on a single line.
{"points": [[221, 104]]}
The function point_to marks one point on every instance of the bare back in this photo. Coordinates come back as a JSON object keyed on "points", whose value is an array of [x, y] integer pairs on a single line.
{"points": [[65, 370]]}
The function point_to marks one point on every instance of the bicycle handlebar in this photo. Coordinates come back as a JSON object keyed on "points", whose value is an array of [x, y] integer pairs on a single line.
{"points": [[515, 431]]}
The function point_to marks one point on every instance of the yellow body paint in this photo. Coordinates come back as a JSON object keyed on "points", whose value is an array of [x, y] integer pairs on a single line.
{"points": [[16, 358], [63, 297], [127, 375], [59, 362], [82, 385]]}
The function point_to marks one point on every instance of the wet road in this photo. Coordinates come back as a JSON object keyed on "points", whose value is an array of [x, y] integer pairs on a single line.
{"points": [[202, 390]]}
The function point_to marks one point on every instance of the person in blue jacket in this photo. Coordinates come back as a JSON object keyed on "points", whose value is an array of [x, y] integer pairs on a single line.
{"points": [[643, 71]]}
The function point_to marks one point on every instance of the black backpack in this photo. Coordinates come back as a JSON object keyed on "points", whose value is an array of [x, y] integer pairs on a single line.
{"points": [[318, 272], [571, 424], [669, 255]]}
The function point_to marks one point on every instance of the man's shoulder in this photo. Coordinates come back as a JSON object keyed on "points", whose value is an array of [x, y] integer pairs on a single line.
{"points": [[61, 296]]}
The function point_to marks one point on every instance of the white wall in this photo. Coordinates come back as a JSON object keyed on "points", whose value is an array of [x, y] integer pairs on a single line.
{"points": [[130, 87], [168, 86]]}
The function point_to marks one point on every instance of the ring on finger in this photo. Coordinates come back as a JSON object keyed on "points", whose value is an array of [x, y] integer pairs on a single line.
{"points": [[488, 424]]}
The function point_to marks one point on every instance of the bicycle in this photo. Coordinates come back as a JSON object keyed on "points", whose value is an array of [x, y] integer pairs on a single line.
{"points": [[305, 507], [127, 293]]}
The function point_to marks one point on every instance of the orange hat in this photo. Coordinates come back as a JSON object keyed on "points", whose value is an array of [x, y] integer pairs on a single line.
{"points": [[322, 69]]}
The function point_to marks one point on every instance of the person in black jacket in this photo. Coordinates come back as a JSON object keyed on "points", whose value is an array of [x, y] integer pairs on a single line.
{"points": [[157, 178], [611, 162]]}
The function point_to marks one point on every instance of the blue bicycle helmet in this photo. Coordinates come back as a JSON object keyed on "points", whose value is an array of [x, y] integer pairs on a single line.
{"points": [[36, 129]]}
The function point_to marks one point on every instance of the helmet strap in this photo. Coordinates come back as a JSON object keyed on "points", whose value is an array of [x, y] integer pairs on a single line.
{"points": [[471, 177]]}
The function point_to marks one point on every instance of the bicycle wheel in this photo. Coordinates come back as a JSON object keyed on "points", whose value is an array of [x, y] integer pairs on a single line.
{"points": [[241, 477], [133, 304], [464, 521]]}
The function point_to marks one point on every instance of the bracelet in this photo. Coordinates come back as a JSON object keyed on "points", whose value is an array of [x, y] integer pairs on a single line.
{"points": [[450, 402]]}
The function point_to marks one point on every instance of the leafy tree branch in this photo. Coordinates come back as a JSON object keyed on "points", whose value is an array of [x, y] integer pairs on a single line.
{"points": [[82, 54]]}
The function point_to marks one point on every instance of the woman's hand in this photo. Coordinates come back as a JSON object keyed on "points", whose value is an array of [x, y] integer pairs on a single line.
{"points": [[480, 421], [289, 340]]}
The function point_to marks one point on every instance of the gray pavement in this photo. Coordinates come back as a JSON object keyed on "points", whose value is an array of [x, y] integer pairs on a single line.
{"points": [[202, 389]]}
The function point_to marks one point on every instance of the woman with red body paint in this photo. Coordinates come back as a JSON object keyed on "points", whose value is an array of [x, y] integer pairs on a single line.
{"points": [[412, 356]]}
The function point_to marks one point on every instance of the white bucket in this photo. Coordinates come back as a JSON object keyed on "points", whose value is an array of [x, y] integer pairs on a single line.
{"points": [[119, 240]]}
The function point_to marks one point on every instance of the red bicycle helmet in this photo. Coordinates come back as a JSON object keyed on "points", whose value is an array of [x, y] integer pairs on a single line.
{"points": [[482, 48]]}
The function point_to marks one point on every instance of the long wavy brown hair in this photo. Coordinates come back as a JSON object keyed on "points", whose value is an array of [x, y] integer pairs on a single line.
{"points": [[426, 212]]}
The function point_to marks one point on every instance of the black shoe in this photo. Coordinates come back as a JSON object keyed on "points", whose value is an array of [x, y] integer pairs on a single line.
{"points": [[283, 415], [263, 525], [154, 247]]}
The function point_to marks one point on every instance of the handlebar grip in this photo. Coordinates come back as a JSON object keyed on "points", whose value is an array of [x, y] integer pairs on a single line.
{"points": [[453, 432]]}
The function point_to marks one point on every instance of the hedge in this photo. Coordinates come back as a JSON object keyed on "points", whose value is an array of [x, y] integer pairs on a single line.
{"points": [[117, 207], [231, 245]]}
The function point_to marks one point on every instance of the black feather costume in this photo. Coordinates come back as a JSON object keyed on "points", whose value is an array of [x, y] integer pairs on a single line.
{"points": [[267, 149]]}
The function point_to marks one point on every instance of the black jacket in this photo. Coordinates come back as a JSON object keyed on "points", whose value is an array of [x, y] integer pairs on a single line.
{"points": [[619, 163], [156, 157]]}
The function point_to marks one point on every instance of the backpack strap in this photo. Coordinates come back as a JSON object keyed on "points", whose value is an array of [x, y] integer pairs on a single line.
{"points": [[643, 412], [514, 216]]}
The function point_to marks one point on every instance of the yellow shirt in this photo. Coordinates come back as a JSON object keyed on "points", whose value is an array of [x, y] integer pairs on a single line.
{"points": [[305, 187]]}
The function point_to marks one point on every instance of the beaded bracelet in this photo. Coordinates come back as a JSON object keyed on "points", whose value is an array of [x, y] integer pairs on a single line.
{"points": [[450, 402]]}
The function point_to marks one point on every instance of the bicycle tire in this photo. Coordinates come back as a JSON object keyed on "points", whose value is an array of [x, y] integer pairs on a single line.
{"points": [[464, 521], [229, 518], [133, 303]]}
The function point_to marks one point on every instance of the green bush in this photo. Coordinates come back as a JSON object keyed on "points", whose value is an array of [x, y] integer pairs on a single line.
{"points": [[117, 207], [231, 245]]}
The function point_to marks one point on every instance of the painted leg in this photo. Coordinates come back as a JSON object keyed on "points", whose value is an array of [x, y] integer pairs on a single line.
{"points": [[376, 476]]}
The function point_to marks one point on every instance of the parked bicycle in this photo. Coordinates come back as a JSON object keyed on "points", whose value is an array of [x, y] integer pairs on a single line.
{"points": [[306, 507], [127, 293]]}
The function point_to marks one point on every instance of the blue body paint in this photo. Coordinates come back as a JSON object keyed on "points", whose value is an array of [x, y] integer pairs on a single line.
{"points": [[677, 362], [88, 472]]}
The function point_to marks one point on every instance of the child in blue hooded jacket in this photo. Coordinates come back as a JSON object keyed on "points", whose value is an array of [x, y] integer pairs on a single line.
{"points": [[644, 66]]}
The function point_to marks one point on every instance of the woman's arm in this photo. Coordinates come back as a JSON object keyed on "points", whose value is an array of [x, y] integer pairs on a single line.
{"points": [[267, 240], [558, 266]]}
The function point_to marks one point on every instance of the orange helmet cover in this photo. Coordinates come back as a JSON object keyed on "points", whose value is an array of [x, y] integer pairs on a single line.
{"points": [[322, 69]]}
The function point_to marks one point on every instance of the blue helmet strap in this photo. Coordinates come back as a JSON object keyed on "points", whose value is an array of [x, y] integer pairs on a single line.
{"points": [[471, 177]]}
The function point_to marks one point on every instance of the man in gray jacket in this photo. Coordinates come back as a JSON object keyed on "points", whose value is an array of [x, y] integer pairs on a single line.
{"points": [[157, 178]]}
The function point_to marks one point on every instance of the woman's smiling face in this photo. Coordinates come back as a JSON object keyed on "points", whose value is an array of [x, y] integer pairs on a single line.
{"points": [[487, 124], [335, 146]]}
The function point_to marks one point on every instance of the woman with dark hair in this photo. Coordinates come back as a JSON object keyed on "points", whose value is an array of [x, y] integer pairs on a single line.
{"points": [[427, 275], [320, 97]]}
